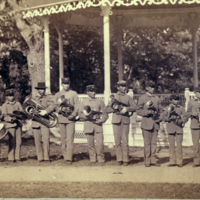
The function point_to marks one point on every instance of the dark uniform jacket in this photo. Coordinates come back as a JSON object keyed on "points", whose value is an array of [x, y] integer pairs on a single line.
{"points": [[8, 108], [131, 107], [96, 105], [148, 123], [47, 102], [72, 98], [171, 127], [193, 104]]}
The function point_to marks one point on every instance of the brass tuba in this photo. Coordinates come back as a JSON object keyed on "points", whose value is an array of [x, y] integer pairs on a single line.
{"points": [[32, 108], [92, 115], [117, 106]]}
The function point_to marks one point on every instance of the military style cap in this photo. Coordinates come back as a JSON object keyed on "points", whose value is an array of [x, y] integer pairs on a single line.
{"points": [[121, 83], [150, 84], [197, 89], [10, 90], [65, 80], [91, 88], [174, 96], [41, 85]]}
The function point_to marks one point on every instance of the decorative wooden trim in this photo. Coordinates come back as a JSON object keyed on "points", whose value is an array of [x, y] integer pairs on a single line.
{"points": [[82, 4]]}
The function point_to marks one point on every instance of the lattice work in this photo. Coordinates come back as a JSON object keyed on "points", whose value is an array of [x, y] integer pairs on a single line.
{"points": [[74, 5], [79, 135]]}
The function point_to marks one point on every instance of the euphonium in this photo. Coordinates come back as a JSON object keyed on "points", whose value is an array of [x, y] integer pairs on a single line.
{"points": [[32, 108], [117, 106], [92, 115]]}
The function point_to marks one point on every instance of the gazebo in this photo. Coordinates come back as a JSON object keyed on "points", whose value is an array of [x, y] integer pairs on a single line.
{"points": [[113, 14]]}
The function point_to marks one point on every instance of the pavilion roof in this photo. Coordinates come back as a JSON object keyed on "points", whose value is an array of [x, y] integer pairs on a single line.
{"points": [[48, 7]]}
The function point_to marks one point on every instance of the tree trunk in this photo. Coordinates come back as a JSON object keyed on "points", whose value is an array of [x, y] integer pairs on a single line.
{"points": [[34, 37]]}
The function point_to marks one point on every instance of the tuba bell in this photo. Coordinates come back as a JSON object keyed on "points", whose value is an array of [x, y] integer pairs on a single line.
{"points": [[117, 106], [92, 115], [32, 108]]}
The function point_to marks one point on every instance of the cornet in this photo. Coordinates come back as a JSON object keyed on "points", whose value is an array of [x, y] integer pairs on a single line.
{"points": [[117, 106], [92, 115]]}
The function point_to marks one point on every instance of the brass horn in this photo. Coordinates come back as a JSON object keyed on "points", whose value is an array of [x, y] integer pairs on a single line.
{"points": [[92, 115], [117, 106], [32, 108], [65, 107], [3, 131]]}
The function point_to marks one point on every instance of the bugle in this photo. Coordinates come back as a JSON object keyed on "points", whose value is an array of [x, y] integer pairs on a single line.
{"points": [[32, 108]]}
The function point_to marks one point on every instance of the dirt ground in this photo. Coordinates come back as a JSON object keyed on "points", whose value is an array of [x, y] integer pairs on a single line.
{"points": [[92, 189], [81, 157]]}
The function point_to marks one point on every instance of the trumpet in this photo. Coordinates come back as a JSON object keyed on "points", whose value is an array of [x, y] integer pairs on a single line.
{"points": [[117, 106], [174, 116], [92, 115], [32, 108]]}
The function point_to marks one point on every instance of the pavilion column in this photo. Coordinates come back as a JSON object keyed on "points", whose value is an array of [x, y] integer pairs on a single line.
{"points": [[119, 48], [61, 69], [106, 11], [194, 27], [47, 55]]}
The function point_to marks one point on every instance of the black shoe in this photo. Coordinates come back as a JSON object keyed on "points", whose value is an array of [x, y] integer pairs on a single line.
{"points": [[156, 165], [147, 165], [120, 162], [180, 165], [195, 165], [171, 165], [40, 161], [125, 163]]}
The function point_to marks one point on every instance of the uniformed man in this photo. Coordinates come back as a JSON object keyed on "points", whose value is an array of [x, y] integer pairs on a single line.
{"points": [[13, 127], [41, 132], [194, 112], [93, 129], [67, 123], [121, 121], [148, 107], [176, 117]]}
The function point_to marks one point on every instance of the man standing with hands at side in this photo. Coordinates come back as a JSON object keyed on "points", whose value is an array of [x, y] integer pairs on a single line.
{"points": [[67, 124]]}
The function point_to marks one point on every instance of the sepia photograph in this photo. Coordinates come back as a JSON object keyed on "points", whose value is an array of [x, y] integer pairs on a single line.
{"points": [[100, 99]]}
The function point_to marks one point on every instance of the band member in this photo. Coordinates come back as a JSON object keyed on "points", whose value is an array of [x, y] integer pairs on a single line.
{"points": [[41, 132], [13, 127], [149, 124], [67, 124], [93, 129], [176, 117], [121, 121], [193, 112]]}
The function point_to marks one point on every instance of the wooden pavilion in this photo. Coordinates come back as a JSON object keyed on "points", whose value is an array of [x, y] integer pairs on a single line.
{"points": [[113, 14]]}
